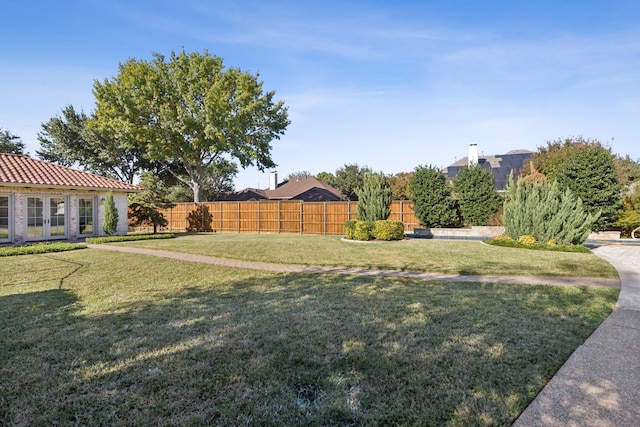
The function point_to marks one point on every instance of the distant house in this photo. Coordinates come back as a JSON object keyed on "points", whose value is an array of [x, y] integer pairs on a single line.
{"points": [[309, 189], [500, 165], [45, 201]]}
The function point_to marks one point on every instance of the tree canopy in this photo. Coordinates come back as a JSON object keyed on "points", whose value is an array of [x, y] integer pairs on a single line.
{"points": [[10, 143], [478, 199], [191, 110], [431, 196]]}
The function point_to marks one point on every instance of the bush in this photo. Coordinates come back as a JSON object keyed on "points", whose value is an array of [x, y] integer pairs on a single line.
{"points": [[545, 212], [475, 188], [358, 230], [374, 199], [128, 237], [507, 242], [40, 248], [527, 240], [431, 197], [388, 230]]}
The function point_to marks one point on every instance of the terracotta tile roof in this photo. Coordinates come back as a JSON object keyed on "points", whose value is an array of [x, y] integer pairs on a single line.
{"points": [[16, 169]]}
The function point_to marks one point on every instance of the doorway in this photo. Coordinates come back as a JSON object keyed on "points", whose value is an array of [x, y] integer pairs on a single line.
{"points": [[46, 217]]}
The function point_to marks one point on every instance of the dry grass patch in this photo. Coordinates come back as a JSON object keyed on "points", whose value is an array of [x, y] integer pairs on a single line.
{"points": [[101, 338]]}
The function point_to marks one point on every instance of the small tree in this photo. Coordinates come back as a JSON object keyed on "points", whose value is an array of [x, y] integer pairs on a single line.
{"points": [[110, 216], [431, 196], [10, 143], [478, 198], [374, 199], [545, 212], [144, 207]]}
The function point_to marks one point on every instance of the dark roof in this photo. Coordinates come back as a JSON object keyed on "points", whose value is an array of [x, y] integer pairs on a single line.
{"points": [[309, 189], [500, 164], [19, 170]]}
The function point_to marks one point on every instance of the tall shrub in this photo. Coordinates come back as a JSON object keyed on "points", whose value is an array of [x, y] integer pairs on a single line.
{"points": [[545, 212], [110, 216], [431, 196], [475, 188], [374, 199]]}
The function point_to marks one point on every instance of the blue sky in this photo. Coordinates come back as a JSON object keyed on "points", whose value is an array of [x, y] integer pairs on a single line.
{"points": [[389, 85]]}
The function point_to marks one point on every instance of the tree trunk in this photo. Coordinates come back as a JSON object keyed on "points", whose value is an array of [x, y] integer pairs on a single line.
{"points": [[197, 191]]}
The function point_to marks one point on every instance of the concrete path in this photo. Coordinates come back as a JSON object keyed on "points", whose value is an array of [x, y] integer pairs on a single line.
{"points": [[599, 385], [291, 268]]}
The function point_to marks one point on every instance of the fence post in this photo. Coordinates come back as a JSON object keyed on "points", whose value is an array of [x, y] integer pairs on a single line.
{"points": [[258, 216], [324, 230], [301, 218], [279, 207]]}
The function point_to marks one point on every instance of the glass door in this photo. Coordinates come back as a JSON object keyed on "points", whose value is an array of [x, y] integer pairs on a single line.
{"points": [[35, 218], [5, 220], [49, 223]]}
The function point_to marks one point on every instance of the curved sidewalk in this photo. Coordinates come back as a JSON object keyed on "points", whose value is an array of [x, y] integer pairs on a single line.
{"points": [[599, 385], [291, 268]]}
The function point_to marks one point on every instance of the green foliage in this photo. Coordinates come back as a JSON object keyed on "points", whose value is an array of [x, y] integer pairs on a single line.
{"points": [[358, 230], [110, 216], [144, 207], [401, 185], [10, 143], [298, 175], [629, 218], [627, 170], [545, 212], [374, 198], [475, 188], [591, 175], [205, 112], [40, 248], [527, 240], [70, 139], [349, 179], [388, 230], [128, 238], [510, 243], [431, 196]]}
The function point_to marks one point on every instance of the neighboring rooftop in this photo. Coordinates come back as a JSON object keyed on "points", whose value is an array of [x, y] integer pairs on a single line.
{"points": [[309, 189], [19, 170], [500, 165]]}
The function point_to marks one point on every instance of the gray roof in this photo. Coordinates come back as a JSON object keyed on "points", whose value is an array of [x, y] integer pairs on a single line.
{"points": [[500, 164]]}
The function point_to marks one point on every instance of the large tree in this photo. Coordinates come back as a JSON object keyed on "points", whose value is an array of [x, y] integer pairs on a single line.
{"points": [[190, 109], [69, 139], [475, 188], [10, 143], [401, 185], [350, 178], [431, 196]]}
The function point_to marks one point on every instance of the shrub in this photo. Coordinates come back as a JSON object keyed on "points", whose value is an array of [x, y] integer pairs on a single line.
{"points": [[358, 230], [545, 212], [374, 199], [110, 216], [388, 230], [475, 188], [510, 243], [527, 240], [502, 237], [431, 196], [127, 238], [40, 248]]}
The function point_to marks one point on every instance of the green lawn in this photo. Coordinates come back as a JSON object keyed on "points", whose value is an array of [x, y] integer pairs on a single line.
{"points": [[95, 337], [436, 256]]}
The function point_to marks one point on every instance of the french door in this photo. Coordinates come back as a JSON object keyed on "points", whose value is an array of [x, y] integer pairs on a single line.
{"points": [[46, 217]]}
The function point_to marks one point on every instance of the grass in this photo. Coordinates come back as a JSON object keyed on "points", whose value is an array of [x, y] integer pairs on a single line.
{"points": [[103, 338], [437, 256]]}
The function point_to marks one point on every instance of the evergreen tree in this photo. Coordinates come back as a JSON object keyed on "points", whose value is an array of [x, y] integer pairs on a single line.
{"points": [[591, 175], [475, 188], [110, 216], [10, 143], [374, 199], [431, 196], [546, 212]]}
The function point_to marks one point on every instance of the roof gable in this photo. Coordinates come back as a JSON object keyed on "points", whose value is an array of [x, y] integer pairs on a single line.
{"points": [[19, 170], [295, 187]]}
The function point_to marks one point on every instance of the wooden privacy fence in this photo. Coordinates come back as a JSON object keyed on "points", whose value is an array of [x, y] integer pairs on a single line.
{"points": [[269, 216]]}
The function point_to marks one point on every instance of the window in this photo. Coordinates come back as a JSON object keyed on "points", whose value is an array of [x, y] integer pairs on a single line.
{"points": [[86, 217], [5, 218]]}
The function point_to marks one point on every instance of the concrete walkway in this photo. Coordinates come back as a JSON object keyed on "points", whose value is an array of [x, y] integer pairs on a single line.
{"points": [[292, 268], [599, 385]]}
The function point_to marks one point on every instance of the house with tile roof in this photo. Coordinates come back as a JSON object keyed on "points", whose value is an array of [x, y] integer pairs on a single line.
{"points": [[42, 201], [501, 165], [308, 189]]}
